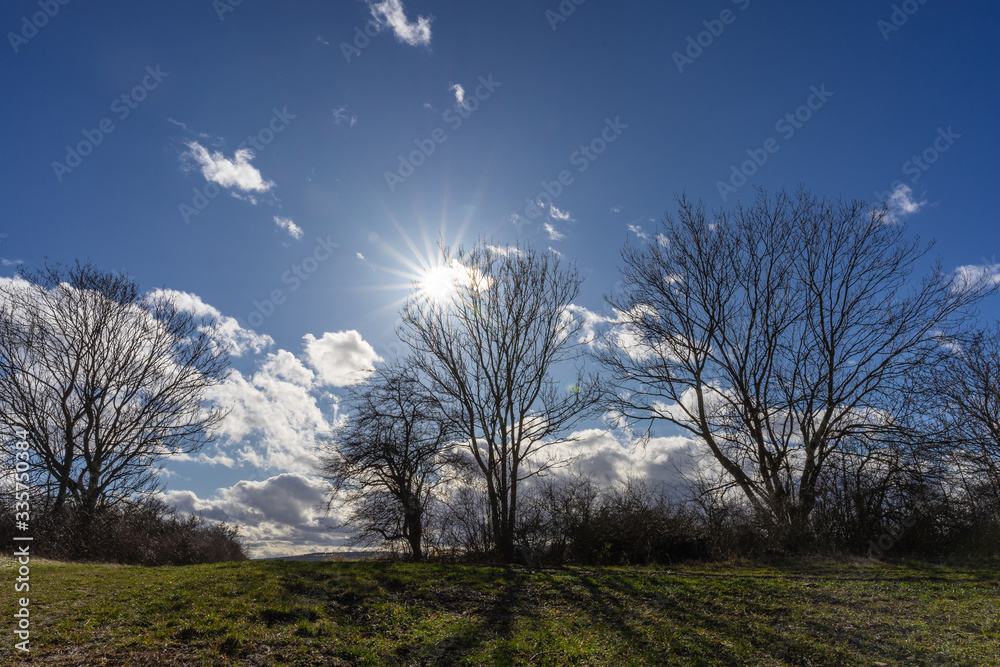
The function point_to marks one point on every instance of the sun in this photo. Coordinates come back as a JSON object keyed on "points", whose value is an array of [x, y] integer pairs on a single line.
{"points": [[439, 284]]}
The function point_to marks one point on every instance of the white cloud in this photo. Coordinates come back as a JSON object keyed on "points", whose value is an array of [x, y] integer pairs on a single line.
{"points": [[589, 322], [555, 252], [284, 365], [902, 204], [637, 230], [554, 234], [459, 94], [616, 209], [341, 359], [598, 454], [344, 115], [275, 419], [278, 516], [228, 331], [556, 214], [392, 14], [286, 223], [360, 256], [973, 274], [11, 262], [236, 173]]}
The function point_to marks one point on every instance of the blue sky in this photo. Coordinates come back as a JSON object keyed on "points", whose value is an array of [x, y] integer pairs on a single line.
{"points": [[338, 159]]}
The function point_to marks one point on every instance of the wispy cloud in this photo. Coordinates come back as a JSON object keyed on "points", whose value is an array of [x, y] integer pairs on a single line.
{"points": [[236, 173], [392, 14], [637, 230], [344, 115], [557, 214], [286, 224], [554, 234]]}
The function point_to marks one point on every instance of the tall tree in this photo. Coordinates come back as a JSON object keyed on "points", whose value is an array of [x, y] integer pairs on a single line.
{"points": [[106, 381], [390, 457], [963, 395], [488, 345], [777, 335]]}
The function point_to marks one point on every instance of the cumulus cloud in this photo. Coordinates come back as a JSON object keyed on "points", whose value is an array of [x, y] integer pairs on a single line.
{"points": [[227, 331], [601, 455], [286, 224], [275, 419], [554, 234], [284, 365], [902, 204], [392, 14], [278, 516], [341, 359], [236, 173]]}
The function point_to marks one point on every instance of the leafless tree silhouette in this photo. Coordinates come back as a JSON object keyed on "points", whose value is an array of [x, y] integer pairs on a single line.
{"points": [[778, 335], [396, 449], [963, 394], [488, 353], [105, 381]]}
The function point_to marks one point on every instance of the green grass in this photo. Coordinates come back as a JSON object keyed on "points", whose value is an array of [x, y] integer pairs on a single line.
{"points": [[365, 613]]}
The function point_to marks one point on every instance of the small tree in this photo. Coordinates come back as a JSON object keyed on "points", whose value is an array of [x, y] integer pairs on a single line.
{"points": [[487, 346], [778, 335], [390, 457], [104, 380]]}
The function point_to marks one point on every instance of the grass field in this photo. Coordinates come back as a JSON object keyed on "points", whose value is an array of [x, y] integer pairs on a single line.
{"points": [[368, 613]]}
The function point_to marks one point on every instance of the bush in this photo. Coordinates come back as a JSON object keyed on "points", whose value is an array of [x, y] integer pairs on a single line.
{"points": [[139, 533]]}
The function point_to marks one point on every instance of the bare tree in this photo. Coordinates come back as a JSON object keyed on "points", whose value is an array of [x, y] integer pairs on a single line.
{"points": [[778, 335], [104, 380], [963, 395], [488, 351], [390, 457]]}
